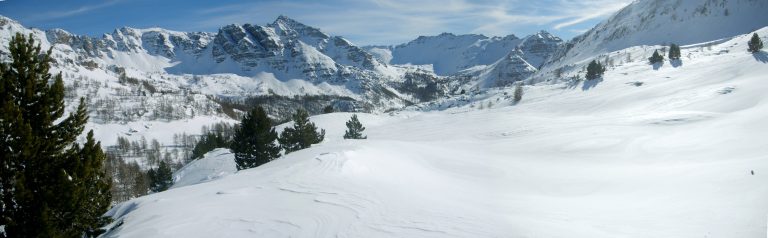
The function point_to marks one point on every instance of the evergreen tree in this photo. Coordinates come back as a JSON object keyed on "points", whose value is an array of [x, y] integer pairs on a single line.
{"points": [[49, 185], [160, 179], [595, 70], [656, 58], [328, 109], [755, 44], [518, 95], [209, 142], [674, 52], [254, 142], [302, 135], [354, 129]]}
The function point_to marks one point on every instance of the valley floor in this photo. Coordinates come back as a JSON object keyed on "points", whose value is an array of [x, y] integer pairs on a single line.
{"points": [[671, 158]]}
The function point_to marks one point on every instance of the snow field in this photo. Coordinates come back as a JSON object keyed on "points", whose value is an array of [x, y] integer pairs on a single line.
{"points": [[670, 158]]}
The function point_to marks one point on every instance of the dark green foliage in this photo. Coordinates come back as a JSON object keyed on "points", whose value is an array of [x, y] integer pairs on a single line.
{"points": [[160, 179], [49, 185], [674, 52], [254, 142], [128, 180], [302, 135], [656, 58], [755, 44], [595, 70], [209, 142], [518, 96], [282, 107], [354, 129], [328, 109]]}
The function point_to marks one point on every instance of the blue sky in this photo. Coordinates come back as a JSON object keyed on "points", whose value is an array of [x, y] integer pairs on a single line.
{"points": [[364, 22]]}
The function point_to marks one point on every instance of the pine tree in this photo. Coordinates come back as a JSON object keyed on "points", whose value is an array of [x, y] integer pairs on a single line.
{"points": [[49, 185], [354, 129], [160, 179], [674, 52], [328, 109], [254, 141], [209, 142], [755, 44], [595, 70], [518, 95], [656, 58], [302, 135]]}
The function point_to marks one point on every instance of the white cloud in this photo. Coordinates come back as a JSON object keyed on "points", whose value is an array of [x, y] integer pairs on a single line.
{"points": [[397, 21], [72, 12], [587, 10]]}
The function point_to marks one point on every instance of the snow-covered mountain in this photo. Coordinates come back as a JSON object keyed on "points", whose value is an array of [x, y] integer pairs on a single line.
{"points": [[448, 53], [284, 58], [662, 22], [286, 48], [667, 152], [670, 150]]}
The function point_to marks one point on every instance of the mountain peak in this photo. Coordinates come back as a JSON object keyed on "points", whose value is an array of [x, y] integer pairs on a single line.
{"points": [[285, 20]]}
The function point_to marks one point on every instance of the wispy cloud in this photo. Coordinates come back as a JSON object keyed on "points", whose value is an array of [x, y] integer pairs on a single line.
{"points": [[395, 21], [587, 10], [72, 12]]}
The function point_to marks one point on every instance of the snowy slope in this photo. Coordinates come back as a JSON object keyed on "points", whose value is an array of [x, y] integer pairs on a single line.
{"points": [[213, 165], [671, 157], [662, 22]]}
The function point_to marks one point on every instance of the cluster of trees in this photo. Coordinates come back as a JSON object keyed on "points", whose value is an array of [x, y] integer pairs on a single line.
{"points": [[128, 179], [209, 142], [160, 178], [254, 141], [755, 44], [672, 54], [50, 186], [595, 70], [302, 135]]}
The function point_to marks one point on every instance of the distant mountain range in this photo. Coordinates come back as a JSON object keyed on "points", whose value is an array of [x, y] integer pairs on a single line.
{"points": [[287, 58]]}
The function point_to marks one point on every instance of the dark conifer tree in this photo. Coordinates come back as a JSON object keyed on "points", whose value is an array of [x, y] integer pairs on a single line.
{"points": [[209, 142], [160, 179], [755, 44], [674, 52], [49, 185], [328, 109], [302, 135], [254, 141], [656, 58], [354, 129], [595, 70], [518, 95]]}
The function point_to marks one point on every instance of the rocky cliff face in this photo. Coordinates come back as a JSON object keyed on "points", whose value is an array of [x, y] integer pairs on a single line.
{"points": [[287, 48]]}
